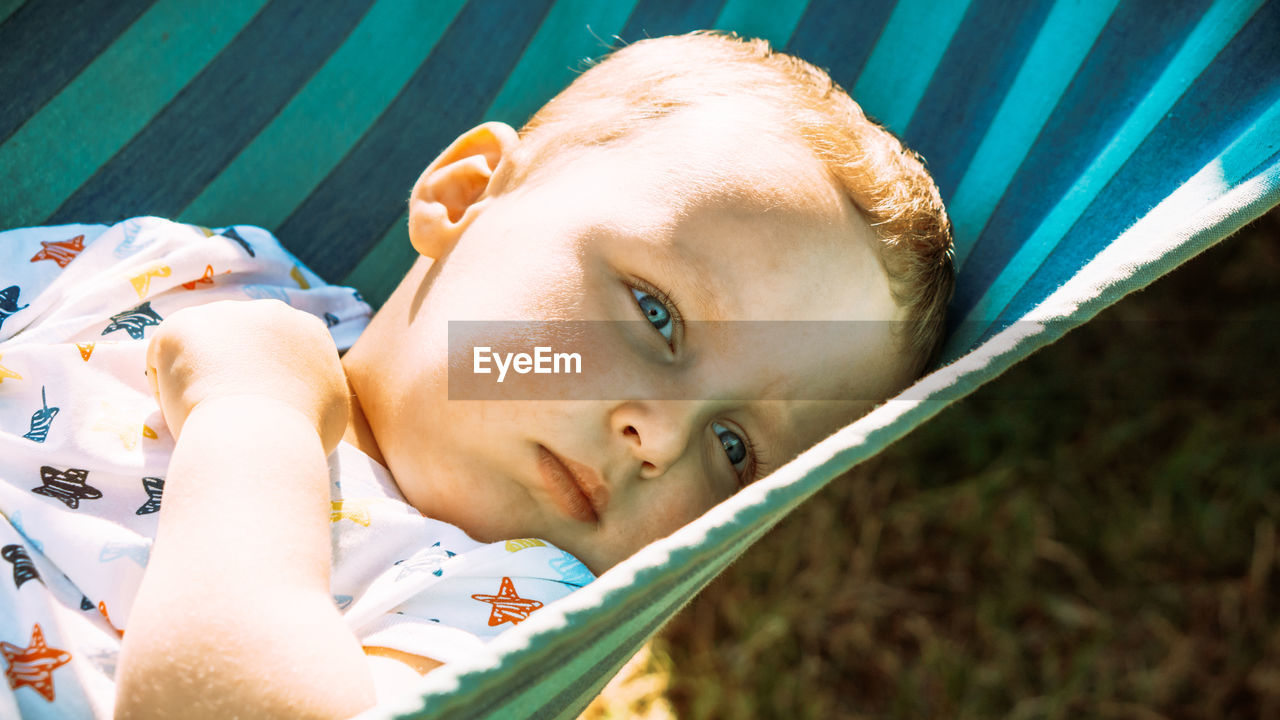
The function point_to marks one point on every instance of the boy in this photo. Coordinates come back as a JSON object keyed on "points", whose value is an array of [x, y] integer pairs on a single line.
{"points": [[682, 182]]}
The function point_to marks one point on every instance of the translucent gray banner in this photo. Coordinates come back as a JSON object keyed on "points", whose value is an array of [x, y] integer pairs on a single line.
{"points": [[727, 360]]}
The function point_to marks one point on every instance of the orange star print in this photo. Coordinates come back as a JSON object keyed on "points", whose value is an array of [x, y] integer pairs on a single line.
{"points": [[33, 665], [61, 252], [207, 279], [507, 605]]}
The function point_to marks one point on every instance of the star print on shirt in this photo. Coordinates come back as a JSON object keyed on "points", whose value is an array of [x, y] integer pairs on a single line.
{"points": [[233, 235], [142, 281], [7, 373], [572, 571], [507, 605], [66, 485], [9, 302], [115, 420], [523, 544], [135, 552], [298, 277], [155, 489], [23, 570], [430, 559], [102, 610], [134, 321], [15, 519], [61, 252], [206, 279], [357, 511], [41, 420], [33, 666]]}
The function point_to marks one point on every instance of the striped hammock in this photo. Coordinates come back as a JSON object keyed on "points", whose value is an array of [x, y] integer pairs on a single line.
{"points": [[1083, 147]]}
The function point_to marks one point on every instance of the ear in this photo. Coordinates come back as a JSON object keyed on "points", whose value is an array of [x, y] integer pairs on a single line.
{"points": [[455, 187]]}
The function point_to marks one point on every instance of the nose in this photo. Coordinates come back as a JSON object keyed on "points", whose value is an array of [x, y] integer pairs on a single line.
{"points": [[657, 433]]}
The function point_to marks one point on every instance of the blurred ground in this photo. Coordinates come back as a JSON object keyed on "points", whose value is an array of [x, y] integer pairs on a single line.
{"points": [[1093, 535]]}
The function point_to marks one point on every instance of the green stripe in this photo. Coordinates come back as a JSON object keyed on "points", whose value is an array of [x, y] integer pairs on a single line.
{"points": [[379, 272], [1215, 29], [7, 8], [769, 19], [629, 633], [1061, 46], [571, 31], [310, 136], [899, 69], [61, 146]]}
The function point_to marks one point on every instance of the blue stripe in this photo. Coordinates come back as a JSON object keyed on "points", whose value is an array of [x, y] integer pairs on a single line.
{"points": [[43, 45], [655, 18], [1130, 54], [1220, 107], [838, 35], [905, 57], [972, 78], [772, 20], [188, 143], [1056, 56], [356, 204]]}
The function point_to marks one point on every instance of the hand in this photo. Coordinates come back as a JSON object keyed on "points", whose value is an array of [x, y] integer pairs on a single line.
{"points": [[259, 347]]}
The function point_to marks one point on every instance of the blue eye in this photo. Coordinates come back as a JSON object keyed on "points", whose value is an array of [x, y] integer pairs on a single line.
{"points": [[657, 313], [734, 446]]}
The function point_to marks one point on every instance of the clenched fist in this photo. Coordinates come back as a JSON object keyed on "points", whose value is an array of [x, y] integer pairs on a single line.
{"points": [[261, 347]]}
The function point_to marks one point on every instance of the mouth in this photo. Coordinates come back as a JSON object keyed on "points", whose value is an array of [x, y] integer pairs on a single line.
{"points": [[576, 489]]}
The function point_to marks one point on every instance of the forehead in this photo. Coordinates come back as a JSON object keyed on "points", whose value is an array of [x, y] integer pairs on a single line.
{"points": [[725, 191]]}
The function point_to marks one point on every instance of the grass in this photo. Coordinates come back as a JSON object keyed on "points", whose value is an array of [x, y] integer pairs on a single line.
{"points": [[1091, 535]]}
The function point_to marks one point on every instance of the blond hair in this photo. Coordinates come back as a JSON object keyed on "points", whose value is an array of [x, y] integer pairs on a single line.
{"points": [[653, 78]]}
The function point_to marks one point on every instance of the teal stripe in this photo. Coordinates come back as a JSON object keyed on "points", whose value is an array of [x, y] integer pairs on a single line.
{"points": [[772, 20], [7, 8], [379, 272], [899, 69], [1215, 29], [61, 146], [574, 30], [571, 31], [591, 663], [311, 135], [1061, 46], [1239, 161]]}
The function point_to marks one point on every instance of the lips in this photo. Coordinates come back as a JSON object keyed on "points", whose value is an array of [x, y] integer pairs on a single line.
{"points": [[575, 488]]}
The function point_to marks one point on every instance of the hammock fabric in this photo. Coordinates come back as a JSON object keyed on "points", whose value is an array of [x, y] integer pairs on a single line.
{"points": [[1084, 148]]}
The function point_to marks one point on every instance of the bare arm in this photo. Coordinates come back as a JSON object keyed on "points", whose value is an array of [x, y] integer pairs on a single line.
{"points": [[234, 615]]}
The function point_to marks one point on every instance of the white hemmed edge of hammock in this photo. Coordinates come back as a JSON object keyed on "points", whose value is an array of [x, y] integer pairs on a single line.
{"points": [[1161, 240]]}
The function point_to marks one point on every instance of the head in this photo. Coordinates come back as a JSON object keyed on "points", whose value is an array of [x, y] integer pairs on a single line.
{"points": [[682, 180]]}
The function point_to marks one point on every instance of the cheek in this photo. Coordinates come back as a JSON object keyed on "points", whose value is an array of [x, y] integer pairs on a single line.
{"points": [[534, 280], [670, 509]]}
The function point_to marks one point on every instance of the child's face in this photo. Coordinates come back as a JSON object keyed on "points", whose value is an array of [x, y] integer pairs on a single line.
{"points": [[711, 214]]}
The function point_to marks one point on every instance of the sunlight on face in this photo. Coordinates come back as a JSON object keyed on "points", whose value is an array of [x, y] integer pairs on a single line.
{"points": [[701, 217]]}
